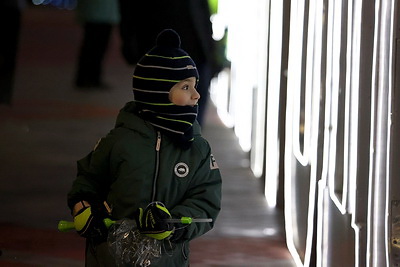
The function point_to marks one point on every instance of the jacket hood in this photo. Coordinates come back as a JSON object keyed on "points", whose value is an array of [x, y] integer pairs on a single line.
{"points": [[128, 118]]}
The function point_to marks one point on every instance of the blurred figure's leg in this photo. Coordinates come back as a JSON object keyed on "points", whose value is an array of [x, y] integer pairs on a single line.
{"points": [[94, 46], [9, 27]]}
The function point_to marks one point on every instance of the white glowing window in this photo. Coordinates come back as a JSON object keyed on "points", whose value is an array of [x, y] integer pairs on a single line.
{"points": [[337, 106], [302, 123], [239, 92]]}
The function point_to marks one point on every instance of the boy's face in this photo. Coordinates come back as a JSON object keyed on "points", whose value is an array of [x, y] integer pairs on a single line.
{"points": [[184, 93]]}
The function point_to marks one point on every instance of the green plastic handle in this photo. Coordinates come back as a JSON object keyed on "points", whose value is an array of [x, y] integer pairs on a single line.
{"points": [[186, 220], [108, 222], [65, 226]]}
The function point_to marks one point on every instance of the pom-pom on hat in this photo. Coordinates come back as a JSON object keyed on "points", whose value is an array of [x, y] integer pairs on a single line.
{"points": [[155, 74], [159, 69]]}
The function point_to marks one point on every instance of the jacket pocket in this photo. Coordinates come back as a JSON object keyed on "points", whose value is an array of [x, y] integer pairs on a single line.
{"points": [[185, 250]]}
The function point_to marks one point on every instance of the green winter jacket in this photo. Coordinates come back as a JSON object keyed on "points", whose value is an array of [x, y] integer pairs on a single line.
{"points": [[135, 164]]}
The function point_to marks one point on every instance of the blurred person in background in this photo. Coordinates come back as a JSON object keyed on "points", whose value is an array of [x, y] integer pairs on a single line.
{"points": [[10, 23], [98, 17], [141, 21]]}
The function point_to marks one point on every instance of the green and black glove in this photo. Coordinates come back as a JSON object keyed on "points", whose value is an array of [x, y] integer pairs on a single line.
{"points": [[152, 221], [89, 222]]}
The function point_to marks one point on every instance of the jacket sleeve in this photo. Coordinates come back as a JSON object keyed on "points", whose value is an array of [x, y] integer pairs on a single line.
{"points": [[93, 175], [203, 198]]}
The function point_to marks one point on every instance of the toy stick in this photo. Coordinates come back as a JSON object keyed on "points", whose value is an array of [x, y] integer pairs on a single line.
{"points": [[65, 226]]}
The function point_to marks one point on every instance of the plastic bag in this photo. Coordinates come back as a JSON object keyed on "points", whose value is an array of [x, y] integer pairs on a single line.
{"points": [[129, 247]]}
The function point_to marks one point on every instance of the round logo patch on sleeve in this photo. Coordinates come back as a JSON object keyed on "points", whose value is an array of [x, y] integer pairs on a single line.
{"points": [[181, 169]]}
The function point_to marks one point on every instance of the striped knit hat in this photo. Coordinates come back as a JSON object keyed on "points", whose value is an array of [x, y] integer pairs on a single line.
{"points": [[155, 74]]}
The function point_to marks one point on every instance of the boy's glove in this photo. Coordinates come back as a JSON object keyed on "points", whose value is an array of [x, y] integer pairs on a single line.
{"points": [[179, 233], [151, 221], [89, 222]]}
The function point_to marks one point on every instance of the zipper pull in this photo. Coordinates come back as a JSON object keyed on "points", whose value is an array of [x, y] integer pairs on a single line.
{"points": [[158, 145]]}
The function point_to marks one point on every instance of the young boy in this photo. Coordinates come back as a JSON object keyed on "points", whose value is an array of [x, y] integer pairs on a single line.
{"points": [[155, 154]]}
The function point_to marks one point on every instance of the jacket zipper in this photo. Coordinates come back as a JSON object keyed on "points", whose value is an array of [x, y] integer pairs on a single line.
{"points": [[158, 146]]}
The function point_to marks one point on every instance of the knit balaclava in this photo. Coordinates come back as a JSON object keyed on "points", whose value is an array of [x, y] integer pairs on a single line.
{"points": [[155, 74]]}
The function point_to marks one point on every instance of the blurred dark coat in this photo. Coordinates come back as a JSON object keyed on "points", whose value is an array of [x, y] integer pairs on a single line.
{"points": [[141, 21]]}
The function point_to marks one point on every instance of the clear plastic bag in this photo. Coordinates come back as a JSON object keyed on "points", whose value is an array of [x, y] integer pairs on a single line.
{"points": [[130, 248]]}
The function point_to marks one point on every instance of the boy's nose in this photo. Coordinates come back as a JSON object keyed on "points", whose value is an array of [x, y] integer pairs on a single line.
{"points": [[195, 95]]}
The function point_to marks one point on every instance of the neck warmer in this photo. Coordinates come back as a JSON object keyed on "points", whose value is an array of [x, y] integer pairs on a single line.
{"points": [[175, 121]]}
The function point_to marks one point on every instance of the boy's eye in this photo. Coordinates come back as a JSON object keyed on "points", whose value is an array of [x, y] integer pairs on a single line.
{"points": [[185, 87]]}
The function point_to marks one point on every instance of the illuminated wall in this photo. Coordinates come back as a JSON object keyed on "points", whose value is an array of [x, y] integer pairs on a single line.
{"points": [[338, 140]]}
